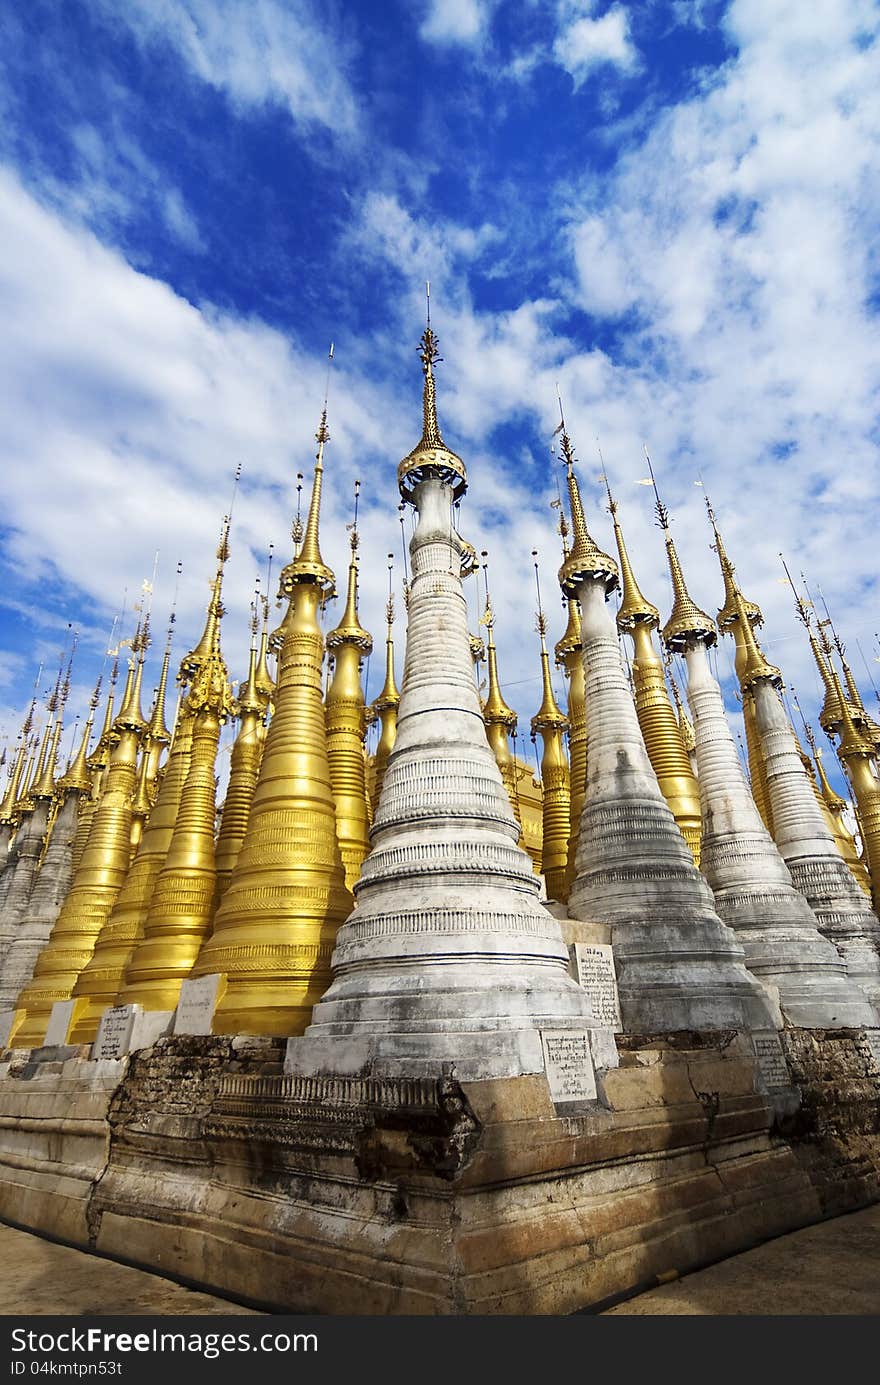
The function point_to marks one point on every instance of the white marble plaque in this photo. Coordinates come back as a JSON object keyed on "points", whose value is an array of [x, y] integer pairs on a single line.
{"points": [[114, 1032], [568, 1064], [60, 1020], [197, 1003], [8, 1021], [771, 1059], [870, 1046], [596, 974]]}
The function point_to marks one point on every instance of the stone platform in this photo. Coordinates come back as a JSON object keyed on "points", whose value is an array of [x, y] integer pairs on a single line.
{"points": [[201, 1159]]}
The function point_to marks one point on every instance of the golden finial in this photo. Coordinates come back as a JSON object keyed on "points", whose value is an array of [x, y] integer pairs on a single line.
{"points": [[193, 661], [389, 696], [264, 680], [308, 564], [727, 616], [635, 608], [756, 666], [130, 716], [831, 715], [249, 697], [686, 620], [495, 710], [430, 456], [157, 731], [76, 777], [349, 630], [548, 715], [586, 559]]}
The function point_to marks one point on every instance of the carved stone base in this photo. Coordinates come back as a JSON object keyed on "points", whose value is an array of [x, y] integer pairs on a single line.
{"points": [[199, 1157]]}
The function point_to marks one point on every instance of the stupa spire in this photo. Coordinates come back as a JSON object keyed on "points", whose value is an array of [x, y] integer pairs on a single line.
{"points": [[728, 614], [250, 708], [181, 906], [551, 724], [345, 713], [729, 624], [385, 705], [274, 929], [639, 618]]}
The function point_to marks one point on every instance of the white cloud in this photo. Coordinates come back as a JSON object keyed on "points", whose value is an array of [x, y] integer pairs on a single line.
{"points": [[740, 235], [457, 21], [269, 52], [128, 409], [584, 43], [419, 249]]}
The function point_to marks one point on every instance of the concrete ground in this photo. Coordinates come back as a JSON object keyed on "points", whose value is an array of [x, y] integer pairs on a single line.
{"points": [[830, 1268], [833, 1268]]}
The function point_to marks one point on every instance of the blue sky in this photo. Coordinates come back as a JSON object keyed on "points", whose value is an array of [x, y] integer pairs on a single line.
{"points": [[668, 208]]}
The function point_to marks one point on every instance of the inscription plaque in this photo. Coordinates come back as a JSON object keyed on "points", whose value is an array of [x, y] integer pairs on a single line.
{"points": [[568, 1064], [595, 973], [771, 1059], [198, 1001], [114, 1032]]}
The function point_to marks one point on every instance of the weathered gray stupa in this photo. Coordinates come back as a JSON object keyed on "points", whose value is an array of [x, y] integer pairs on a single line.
{"points": [[749, 879], [804, 840], [678, 966]]}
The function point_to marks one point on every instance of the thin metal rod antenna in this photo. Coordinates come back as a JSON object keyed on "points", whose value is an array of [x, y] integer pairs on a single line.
{"points": [[327, 377], [604, 475], [538, 586], [428, 301], [484, 554], [357, 491], [801, 608], [235, 482], [662, 512], [867, 669]]}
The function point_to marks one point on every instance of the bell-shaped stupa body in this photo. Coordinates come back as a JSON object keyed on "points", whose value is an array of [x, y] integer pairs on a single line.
{"points": [[449, 956], [678, 965], [274, 930], [753, 890]]}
